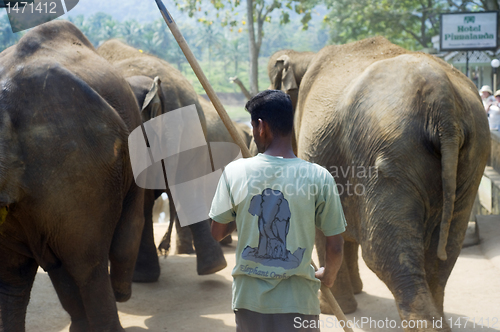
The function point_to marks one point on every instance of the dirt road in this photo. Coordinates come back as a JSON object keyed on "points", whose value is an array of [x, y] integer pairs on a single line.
{"points": [[184, 301]]}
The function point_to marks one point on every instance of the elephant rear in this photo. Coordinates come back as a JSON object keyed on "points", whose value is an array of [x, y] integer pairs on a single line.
{"points": [[75, 203], [406, 134]]}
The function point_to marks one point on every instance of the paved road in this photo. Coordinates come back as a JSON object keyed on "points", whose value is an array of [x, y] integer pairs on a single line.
{"points": [[184, 301]]}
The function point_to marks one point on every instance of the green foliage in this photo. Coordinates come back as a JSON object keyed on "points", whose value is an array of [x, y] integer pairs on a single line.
{"points": [[408, 23], [221, 51]]}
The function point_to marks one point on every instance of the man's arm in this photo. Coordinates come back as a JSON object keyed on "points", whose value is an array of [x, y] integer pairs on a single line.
{"points": [[334, 249], [220, 231]]}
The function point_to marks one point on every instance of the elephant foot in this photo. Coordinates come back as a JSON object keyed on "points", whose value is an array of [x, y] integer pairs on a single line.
{"points": [[209, 255], [347, 305], [227, 240], [122, 297], [207, 263]]}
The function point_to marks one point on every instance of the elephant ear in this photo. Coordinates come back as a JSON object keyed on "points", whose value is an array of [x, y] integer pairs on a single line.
{"points": [[255, 208], [288, 81], [153, 102]]}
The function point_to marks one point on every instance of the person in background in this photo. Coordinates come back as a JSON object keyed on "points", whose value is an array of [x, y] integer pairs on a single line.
{"points": [[487, 97], [497, 97], [494, 113]]}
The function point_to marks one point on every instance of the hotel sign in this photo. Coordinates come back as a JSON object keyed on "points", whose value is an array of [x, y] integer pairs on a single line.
{"points": [[469, 31]]}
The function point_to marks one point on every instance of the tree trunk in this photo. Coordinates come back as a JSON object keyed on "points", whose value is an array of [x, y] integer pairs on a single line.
{"points": [[254, 54], [490, 4]]}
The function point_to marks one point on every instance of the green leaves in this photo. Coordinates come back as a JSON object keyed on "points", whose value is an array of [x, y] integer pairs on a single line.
{"points": [[408, 23]]}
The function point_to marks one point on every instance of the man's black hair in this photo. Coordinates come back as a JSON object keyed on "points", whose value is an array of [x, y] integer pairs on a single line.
{"points": [[275, 108]]}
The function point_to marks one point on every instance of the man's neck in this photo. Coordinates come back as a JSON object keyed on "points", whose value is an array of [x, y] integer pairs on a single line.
{"points": [[281, 147]]}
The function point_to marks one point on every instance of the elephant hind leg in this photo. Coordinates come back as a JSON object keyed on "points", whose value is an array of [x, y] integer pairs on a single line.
{"points": [[126, 242], [70, 298], [147, 267], [351, 258], [184, 241], [437, 271], [17, 274], [98, 299], [401, 267]]}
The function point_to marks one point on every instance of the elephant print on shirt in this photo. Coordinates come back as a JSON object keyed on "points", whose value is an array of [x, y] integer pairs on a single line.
{"points": [[274, 223]]}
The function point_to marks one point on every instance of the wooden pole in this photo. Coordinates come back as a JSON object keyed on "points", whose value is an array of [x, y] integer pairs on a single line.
{"points": [[337, 311], [203, 79]]}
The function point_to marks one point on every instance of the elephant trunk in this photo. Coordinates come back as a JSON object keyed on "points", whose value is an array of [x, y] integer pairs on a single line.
{"points": [[449, 164]]}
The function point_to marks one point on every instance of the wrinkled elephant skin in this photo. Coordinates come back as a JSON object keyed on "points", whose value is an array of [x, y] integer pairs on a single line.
{"points": [[406, 138], [66, 180], [174, 92]]}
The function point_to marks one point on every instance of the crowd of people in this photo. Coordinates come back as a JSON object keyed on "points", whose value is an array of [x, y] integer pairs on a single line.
{"points": [[491, 103]]}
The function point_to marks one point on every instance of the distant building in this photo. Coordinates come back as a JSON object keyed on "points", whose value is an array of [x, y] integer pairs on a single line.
{"points": [[480, 71]]}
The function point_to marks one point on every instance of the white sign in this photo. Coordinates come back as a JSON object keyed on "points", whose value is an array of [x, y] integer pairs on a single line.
{"points": [[469, 31]]}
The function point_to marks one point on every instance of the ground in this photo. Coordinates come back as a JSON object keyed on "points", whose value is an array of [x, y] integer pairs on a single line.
{"points": [[184, 301]]}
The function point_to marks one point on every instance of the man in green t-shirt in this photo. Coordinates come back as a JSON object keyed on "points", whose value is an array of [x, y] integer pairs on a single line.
{"points": [[277, 201]]}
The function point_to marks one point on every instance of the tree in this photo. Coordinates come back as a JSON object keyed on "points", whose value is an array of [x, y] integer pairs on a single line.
{"points": [[489, 4], [397, 20], [211, 39], [408, 23], [257, 13], [7, 37]]}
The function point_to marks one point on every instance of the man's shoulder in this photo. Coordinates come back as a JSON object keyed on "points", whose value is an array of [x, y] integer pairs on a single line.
{"points": [[241, 162], [320, 170]]}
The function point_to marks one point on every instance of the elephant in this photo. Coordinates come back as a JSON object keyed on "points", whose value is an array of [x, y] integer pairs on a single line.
{"points": [[172, 92], [216, 132], [68, 199], [407, 140]]}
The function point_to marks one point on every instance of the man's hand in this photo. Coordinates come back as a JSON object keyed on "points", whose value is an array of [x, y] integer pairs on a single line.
{"points": [[328, 281], [334, 250]]}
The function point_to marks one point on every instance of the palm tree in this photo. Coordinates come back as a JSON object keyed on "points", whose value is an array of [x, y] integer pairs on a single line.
{"points": [[211, 39]]}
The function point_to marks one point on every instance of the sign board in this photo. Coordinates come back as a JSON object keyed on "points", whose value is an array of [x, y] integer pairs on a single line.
{"points": [[469, 31]]}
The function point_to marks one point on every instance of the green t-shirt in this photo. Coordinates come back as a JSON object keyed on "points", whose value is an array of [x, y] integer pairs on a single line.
{"points": [[277, 203]]}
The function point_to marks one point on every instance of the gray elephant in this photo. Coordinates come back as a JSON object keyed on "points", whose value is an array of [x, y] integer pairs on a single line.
{"points": [[407, 140], [175, 92], [216, 132], [151, 95], [68, 201]]}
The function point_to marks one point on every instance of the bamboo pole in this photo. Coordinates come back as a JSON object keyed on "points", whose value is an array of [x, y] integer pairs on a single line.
{"points": [[337, 311], [203, 79]]}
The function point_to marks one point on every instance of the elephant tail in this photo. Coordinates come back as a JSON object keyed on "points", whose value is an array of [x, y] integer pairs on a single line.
{"points": [[449, 163]]}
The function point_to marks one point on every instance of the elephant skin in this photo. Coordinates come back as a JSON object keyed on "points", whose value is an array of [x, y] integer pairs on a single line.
{"points": [[216, 132], [408, 132], [175, 92], [66, 181]]}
